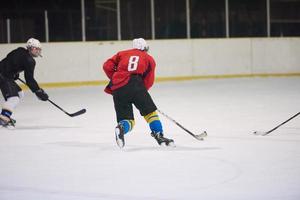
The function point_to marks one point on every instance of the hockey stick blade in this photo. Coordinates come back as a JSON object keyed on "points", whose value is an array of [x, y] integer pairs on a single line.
{"points": [[273, 129], [201, 136], [80, 112], [260, 133]]}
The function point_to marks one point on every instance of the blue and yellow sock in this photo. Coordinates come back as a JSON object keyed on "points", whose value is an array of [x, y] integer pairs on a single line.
{"points": [[127, 125], [154, 122]]}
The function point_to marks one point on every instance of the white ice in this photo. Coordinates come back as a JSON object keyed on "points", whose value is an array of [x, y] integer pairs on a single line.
{"points": [[51, 156]]}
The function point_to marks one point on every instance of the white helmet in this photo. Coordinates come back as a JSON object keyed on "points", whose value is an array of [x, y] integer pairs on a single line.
{"points": [[33, 43], [36, 44], [140, 44]]}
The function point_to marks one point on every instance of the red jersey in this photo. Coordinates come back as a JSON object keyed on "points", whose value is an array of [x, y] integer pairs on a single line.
{"points": [[133, 61]]}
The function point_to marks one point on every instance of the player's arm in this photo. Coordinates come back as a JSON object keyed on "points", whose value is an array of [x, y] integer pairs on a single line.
{"points": [[110, 65], [31, 82], [149, 74], [29, 75]]}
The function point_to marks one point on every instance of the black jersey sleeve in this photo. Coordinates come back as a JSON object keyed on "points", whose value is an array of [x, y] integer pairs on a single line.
{"points": [[29, 74]]}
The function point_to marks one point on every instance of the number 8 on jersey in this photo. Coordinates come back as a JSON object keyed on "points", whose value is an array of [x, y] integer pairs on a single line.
{"points": [[133, 63]]}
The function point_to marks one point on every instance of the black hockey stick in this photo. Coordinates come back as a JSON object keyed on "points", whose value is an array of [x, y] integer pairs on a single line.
{"points": [[198, 136], [273, 129], [82, 111]]}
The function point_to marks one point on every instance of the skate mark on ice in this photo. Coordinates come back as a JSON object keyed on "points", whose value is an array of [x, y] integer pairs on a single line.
{"points": [[21, 190]]}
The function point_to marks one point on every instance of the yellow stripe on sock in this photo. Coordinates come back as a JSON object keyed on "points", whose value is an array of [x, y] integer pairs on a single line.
{"points": [[131, 124], [151, 117]]}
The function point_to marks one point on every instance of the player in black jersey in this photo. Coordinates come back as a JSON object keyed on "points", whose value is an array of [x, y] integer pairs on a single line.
{"points": [[17, 61]]}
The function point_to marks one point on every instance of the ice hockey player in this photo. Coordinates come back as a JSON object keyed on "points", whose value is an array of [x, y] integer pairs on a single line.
{"points": [[17, 61], [131, 73]]}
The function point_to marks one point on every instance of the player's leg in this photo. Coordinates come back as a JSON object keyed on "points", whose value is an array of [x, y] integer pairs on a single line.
{"points": [[124, 112], [147, 108], [12, 94]]}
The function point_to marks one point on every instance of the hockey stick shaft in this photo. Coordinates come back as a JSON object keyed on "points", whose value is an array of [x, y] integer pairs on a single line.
{"points": [[282, 123], [186, 130], [82, 111]]}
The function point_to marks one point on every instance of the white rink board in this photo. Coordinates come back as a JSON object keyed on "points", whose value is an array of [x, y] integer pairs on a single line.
{"points": [[82, 61]]}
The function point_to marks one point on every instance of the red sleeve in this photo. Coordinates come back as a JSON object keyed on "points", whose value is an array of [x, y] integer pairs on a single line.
{"points": [[110, 65], [109, 68], [150, 73]]}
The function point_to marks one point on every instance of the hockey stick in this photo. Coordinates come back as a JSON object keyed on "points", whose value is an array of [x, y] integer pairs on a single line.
{"points": [[82, 111], [273, 129], [198, 136]]}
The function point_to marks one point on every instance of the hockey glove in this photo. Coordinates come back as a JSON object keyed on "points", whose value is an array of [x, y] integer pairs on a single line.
{"points": [[41, 94]]}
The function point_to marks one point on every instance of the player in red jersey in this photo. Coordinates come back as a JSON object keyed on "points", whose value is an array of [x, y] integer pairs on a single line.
{"points": [[131, 73]]}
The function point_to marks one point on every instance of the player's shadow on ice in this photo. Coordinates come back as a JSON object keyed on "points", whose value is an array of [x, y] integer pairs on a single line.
{"points": [[177, 148], [20, 128], [79, 144], [129, 148]]}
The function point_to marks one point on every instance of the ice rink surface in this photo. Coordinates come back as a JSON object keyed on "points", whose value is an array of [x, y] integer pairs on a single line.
{"points": [[51, 156]]}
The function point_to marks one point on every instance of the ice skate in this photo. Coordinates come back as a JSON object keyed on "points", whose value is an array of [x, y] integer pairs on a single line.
{"points": [[161, 140], [119, 132], [7, 122]]}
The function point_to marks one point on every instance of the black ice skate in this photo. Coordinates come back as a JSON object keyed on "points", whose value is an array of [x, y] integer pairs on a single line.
{"points": [[161, 140], [119, 131]]}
